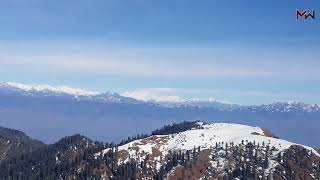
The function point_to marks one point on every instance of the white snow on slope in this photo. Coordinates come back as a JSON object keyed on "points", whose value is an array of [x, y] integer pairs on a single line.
{"points": [[206, 137], [48, 88]]}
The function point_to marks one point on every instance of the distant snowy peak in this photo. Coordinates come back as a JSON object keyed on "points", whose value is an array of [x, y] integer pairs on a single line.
{"points": [[290, 106], [63, 91], [283, 107], [47, 89]]}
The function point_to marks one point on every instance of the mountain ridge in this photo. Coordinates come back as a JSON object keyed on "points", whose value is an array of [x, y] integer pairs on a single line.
{"points": [[196, 150], [76, 92], [205, 138], [50, 116]]}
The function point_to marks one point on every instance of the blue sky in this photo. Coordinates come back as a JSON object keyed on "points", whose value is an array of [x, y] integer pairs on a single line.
{"points": [[242, 51]]}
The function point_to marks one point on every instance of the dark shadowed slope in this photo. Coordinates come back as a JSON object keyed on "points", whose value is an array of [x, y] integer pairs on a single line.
{"points": [[14, 143]]}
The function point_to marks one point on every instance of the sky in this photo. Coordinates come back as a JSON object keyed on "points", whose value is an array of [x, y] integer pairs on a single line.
{"points": [[241, 51]]}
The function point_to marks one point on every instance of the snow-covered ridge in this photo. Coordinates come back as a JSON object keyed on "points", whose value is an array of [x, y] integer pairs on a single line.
{"points": [[205, 136], [48, 88]]}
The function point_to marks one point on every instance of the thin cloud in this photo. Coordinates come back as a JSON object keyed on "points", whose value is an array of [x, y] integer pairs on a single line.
{"points": [[154, 94], [175, 94], [222, 62], [184, 94]]}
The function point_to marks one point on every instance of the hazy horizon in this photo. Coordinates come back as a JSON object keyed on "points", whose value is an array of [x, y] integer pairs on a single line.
{"points": [[160, 95]]}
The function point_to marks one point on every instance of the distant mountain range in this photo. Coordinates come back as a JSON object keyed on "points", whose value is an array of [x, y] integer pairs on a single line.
{"points": [[111, 97], [187, 150], [49, 113], [39, 91]]}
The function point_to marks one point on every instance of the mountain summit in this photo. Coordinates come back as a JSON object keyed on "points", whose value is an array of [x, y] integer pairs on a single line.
{"points": [[219, 150]]}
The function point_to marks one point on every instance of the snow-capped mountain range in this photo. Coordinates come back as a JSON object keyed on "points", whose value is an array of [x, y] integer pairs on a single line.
{"points": [[53, 112], [64, 91], [112, 97], [46, 89]]}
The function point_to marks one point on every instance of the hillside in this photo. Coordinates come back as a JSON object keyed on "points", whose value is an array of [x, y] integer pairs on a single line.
{"points": [[194, 150], [221, 150], [69, 157], [14, 143]]}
